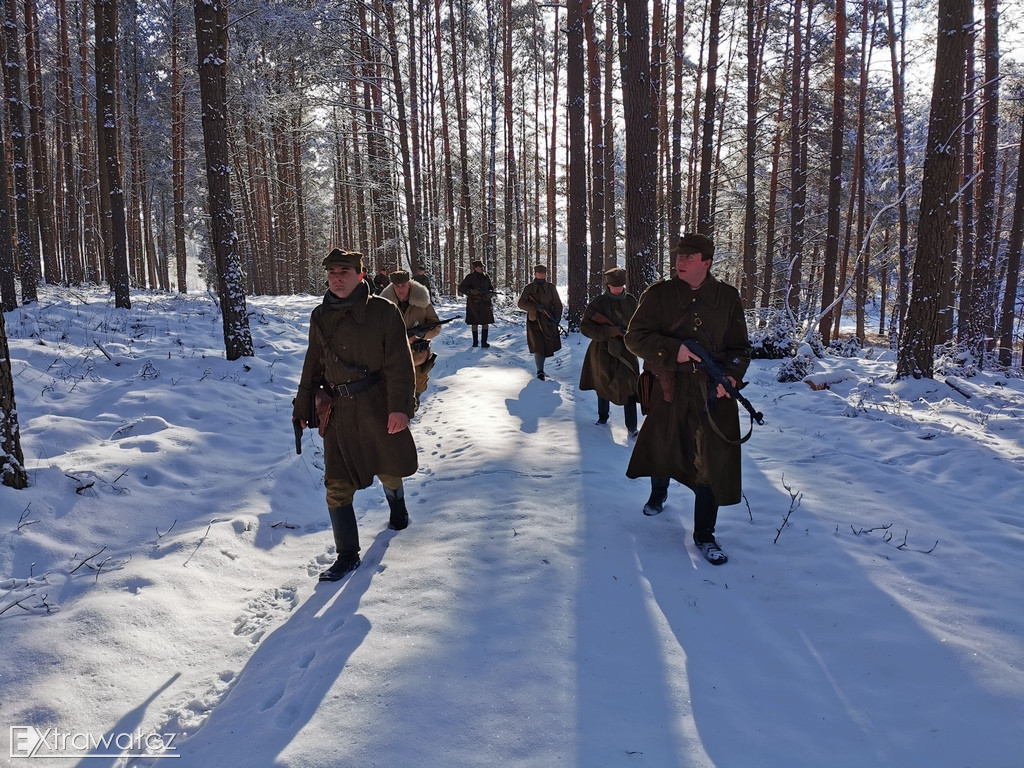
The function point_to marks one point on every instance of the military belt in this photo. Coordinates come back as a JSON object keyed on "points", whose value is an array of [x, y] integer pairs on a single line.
{"points": [[353, 388]]}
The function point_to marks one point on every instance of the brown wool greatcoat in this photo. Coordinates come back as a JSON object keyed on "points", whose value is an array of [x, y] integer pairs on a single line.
{"points": [[609, 368], [542, 334], [344, 345], [675, 439], [478, 290]]}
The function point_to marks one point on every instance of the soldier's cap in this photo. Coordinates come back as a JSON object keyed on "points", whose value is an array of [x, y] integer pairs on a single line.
{"points": [[477, 263], [615, 276], [341, 258], [695, 243], [540, 269], [398, 277]]}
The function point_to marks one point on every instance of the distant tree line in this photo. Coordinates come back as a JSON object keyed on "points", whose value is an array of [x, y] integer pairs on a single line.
{"points": [[579, 134]]}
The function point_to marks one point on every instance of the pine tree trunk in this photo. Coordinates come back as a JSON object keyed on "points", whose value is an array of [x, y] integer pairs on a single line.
{"points": [[211, 50], [984, 298], [756, 12], [411, 202], [107, 132], [88, 155], [611, 239], [12, 460], [705, 214], [1013, 256], [797, 165], [675, 184], [45, 215], [8, 269], [898, 63], [835, 174], [449, 267], [26, 253], [178, 150], [68, 187], [968, 231], [594, 282], [575, 83], [936, 231], [640, 117]]}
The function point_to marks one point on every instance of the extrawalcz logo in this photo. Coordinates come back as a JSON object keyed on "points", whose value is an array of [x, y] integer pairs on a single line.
{"points": [[29, 741]]}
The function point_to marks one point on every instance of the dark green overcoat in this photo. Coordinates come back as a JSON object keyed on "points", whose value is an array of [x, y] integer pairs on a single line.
{"points": [[675, 439], [345, 344], [542, 334], [479, 293], [609, 368]]}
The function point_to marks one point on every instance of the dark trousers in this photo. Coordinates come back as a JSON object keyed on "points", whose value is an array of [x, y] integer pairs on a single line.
{"points": [[604, 407], [705, 508], [705, 514]]}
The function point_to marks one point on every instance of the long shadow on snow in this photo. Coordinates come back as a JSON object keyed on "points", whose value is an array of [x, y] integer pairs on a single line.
{"points": [[285, 680], [627, 709], [774, 645]]}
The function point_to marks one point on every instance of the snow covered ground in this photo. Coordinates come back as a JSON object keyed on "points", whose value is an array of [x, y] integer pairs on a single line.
{"points": [[158, 578]]}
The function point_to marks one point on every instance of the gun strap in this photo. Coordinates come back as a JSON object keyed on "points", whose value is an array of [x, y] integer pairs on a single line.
{"points": [[711, 421]]}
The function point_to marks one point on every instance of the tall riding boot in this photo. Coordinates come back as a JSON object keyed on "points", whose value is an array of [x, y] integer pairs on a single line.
{"points": [[399, 514], [476, 342], [659, 492], [346, 542], [483, 337]]}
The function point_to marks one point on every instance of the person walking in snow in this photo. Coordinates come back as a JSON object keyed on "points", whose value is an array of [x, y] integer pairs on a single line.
{"points": [[609, 368], [691, 434], [359, 368], [423, 279], [421, 322], [543, 309], [479, 292]]}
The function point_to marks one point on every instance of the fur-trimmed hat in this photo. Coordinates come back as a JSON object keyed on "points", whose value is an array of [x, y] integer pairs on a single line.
{"points": [[693, 242], [615, 276], [540, 269], [398, 277], [340, 258], [477, 263]]}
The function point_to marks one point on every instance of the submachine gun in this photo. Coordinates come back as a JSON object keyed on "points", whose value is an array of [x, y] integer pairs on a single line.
{"points": [[717, 376]]}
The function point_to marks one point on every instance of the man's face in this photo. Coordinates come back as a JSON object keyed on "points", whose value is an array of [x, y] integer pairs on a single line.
{"points": [[692, 269], [402, 291], [540, 275], [616, 289], [343, 280]]}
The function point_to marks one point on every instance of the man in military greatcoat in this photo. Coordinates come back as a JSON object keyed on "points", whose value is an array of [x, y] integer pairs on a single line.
{"points": [[691, 434], [479, 292], [358, 386], [609, 368], [543, 309]]}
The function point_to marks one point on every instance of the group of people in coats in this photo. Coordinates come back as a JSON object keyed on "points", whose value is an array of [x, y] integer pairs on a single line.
{"points": [[359, 363]]}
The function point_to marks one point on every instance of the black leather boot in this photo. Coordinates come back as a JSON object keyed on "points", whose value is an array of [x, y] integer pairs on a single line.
{"points": [[475, 342], [399, 514], [483, 337], [659, 492], [346, 542]]}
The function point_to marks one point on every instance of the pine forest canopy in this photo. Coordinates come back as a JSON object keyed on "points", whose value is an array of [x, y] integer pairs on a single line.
{"points": [[581, 135]]}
